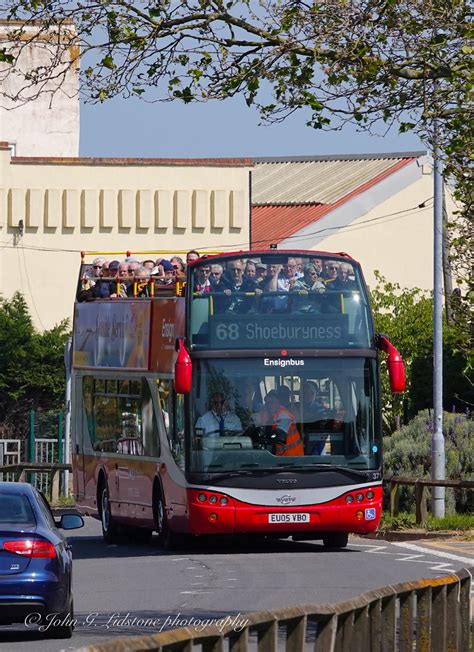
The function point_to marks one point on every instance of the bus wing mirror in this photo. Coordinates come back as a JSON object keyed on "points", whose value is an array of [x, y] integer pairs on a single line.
{"points": [[396, 368], [182, 369]]}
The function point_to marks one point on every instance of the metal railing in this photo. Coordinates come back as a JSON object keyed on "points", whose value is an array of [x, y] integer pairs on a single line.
{"points": [[421, 509], [22, 473], [433, 614]]}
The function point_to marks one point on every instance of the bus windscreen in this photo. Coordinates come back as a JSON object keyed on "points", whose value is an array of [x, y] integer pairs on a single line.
{"points": [[259, 413]]}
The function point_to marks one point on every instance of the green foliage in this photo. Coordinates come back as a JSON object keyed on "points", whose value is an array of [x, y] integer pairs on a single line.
{"points": [[406, 317], [32, 365], [402, 521], [460, 522], [408, 454], [405, 521]]}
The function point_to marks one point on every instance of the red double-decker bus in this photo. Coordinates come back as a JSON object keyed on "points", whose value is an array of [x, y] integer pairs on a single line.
{"points": [[251, 405]]}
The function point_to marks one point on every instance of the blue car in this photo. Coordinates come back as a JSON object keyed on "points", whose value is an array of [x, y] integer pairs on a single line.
{"points": [[35, 562]]}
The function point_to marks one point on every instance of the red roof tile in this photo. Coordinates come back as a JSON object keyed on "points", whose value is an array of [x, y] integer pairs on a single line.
{"points": [[274, 223]]}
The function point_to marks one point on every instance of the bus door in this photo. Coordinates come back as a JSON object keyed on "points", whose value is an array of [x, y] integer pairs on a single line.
{"points": [[78, 435]]}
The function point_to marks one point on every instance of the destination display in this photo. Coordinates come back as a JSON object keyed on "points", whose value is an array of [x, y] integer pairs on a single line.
{"points": [[264, 331]]}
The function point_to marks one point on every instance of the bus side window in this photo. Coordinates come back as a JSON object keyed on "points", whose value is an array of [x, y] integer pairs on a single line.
{"points": [[178, 430], [150, 436], [173, 416]]}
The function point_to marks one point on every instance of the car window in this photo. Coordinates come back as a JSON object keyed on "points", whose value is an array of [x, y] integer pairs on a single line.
{"points": [[45, 509], [16, 508]]}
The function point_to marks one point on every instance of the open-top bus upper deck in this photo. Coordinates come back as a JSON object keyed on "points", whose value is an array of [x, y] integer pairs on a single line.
{"points": [[278, 299]]}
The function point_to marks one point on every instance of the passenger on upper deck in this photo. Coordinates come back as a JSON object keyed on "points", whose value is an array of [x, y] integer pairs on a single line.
{"points": [[215, 277], [236, 286], [260, 272], [330, 270], [164, 273], [179, 267], [102, 288], [318, 263], [271, 284], [141, 283], [192, 256], [149, 264], [306, 291], [345, 278], [132, 266], [202, 283], [121, 285], [250, 269]]}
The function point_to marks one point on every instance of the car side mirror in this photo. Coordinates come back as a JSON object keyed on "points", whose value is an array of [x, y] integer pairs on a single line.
{"points": [[396, 368], [70, 522]]}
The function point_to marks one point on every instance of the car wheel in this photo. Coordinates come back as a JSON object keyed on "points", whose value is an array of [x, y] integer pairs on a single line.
{"points": [[336, 540], [65, 624], [110, 530]]}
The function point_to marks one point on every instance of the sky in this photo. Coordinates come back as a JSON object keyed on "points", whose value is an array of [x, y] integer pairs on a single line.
{"points": [[132, 128]]}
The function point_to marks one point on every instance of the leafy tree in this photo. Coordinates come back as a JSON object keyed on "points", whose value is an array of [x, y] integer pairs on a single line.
{"points": [[405, 62], [32, 365], [406, 317], [402, 60]]}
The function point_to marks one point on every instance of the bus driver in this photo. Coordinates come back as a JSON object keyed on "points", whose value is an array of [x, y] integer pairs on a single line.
{"points": [[218, 420]]}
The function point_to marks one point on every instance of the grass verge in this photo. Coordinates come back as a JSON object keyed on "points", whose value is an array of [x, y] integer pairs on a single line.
{"points": [[405, 521]]}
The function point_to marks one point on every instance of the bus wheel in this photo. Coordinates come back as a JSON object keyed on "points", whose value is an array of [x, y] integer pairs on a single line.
{"points": [[336, 540], [167, 539], [110, 530]]}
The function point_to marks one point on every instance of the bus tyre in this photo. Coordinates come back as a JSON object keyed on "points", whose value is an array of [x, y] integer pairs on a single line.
{"points": [[336, 540], [167, 539], [110, 531]]}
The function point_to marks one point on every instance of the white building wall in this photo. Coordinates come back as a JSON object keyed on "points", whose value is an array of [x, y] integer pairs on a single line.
{"points": [[113, 206], [48, 125], [384, 229]]}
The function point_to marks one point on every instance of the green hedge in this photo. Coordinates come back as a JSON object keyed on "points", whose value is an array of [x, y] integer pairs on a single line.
{"points": [[408, 453]]}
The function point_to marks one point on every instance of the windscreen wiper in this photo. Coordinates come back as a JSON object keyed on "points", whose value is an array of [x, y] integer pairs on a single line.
{"points": [[327, 466]]}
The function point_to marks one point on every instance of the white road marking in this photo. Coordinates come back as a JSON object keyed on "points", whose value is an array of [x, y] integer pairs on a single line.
{"points": [[379, 550], [194, 592], [436, 553]]}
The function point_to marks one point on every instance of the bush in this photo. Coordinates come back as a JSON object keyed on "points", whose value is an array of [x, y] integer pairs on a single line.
{"points": [[408, 453]]}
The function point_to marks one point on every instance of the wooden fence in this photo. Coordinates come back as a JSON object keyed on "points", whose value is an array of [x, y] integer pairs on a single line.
{"points": [[421, 510], [21, 472]]}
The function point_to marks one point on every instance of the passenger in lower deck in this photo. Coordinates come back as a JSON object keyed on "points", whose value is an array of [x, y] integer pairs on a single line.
{"points": [[287, 438]]}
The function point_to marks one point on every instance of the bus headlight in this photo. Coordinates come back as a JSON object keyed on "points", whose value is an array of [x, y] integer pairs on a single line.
{"points": [[349, 499], [224, 500], [202, 498], [359, 497], [213, 500], [369, 495]]}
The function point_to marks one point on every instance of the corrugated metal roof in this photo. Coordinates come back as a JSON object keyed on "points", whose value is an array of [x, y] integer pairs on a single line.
{"points": [[274, 221], [272, 224], [316, 181]]}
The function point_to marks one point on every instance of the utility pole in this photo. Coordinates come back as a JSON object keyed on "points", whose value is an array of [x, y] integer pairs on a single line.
{"points": [[67, 420], [438, 462]]}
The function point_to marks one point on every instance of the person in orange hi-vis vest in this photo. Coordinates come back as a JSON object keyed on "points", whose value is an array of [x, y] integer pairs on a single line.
{"points": [[283, 420]]}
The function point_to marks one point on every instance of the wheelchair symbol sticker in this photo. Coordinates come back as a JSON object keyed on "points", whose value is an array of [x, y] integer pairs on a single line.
{"points": [[370, 514]]}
